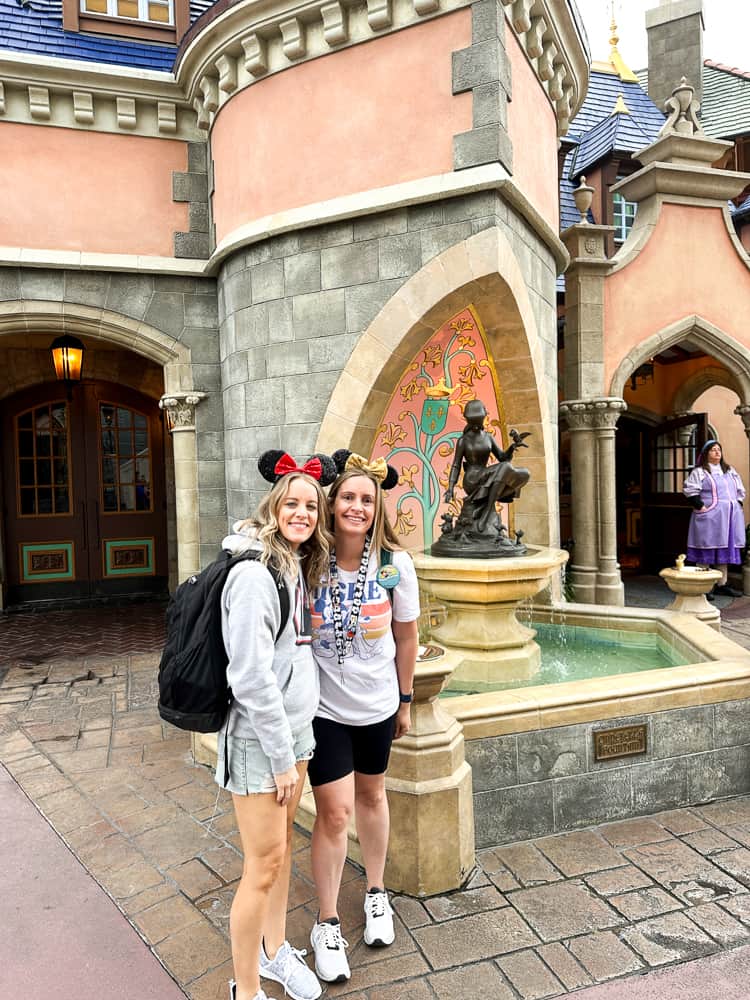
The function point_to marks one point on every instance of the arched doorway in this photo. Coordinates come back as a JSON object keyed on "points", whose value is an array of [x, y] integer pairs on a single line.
{"points": [[84, 493]]}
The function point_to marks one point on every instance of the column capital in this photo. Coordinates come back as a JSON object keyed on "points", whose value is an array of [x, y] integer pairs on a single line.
{"points": [[598, 413], [743, 411], [180, 409], [587, 245]]}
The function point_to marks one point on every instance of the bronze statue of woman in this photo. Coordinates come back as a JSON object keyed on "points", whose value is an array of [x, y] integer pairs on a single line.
{"points": [[484, 485]]}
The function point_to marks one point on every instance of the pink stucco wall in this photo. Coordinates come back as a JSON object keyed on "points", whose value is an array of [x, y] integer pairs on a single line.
{"points": [[366, 117], [684, 269], [66, 189], [532, 127]]}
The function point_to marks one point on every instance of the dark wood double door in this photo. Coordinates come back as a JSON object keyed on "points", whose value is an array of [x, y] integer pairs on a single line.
{"points": [[83, 493]]}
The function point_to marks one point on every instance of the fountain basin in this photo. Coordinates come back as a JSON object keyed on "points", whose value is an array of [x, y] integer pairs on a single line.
{"points": [[481, 635], [532, 749]]}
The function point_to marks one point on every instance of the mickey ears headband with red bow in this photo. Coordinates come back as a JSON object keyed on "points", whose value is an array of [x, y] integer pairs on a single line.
{"points": [[272, 465]]}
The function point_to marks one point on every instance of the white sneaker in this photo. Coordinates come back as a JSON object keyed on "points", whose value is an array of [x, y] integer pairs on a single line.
{"points": [[330, 955], [260, 995], [290, 969], [379, 930]]}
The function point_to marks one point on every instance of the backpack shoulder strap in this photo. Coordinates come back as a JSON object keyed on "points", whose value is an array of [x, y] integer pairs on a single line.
{"points": [[386, 558], [281, 588]]}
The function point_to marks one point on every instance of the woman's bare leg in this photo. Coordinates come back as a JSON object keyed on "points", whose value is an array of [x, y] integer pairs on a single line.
{"points": [[334, 804], [262, 823], [373, 825], [274, 929]]}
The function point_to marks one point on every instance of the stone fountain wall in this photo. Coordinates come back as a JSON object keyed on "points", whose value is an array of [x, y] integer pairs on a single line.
{"points": [[547, 781]]}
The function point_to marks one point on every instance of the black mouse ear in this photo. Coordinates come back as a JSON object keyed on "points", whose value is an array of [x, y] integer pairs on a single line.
{"points": [[267, 465], [391, 479], [340, 458], [329, 469]]}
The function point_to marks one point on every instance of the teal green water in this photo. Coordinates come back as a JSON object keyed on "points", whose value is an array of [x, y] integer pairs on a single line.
{"points": [[576, 652]]}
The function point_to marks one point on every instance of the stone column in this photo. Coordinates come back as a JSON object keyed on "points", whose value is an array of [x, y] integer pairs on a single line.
{"points": [[180, 410], [743, 411], [594, 571], [609, 587], [583, 564]]}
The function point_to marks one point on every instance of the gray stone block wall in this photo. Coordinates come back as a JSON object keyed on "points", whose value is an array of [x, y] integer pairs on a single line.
{"points": [[292, 309], [184, 308], [547, 781]]}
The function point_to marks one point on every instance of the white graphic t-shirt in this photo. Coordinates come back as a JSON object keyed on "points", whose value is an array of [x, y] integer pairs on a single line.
{"points": [[365, 689]]}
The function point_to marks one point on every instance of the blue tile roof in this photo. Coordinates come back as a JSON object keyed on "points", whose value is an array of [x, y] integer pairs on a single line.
{"points": [[37, 30], [619, 133]]}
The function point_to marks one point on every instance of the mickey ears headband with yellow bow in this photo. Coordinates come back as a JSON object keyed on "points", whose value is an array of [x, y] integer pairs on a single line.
{"points": [[378, 469]]}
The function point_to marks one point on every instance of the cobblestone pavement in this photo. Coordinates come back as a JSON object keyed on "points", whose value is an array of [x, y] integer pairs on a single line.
{"points": [[538, 919]]}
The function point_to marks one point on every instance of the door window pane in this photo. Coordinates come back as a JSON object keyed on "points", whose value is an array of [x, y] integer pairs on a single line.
{"points": [[40, 434], [125, 465]]}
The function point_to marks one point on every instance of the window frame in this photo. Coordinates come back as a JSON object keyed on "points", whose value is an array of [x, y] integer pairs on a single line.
{"points": [[75, 19], [620, 206]]}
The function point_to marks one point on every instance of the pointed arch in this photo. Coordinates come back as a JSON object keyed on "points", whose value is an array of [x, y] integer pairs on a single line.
{"points": [[482, 270], [714, 341]]}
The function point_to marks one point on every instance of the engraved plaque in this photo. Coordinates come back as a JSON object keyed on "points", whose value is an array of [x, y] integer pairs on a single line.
{"points": [[625, 741]]}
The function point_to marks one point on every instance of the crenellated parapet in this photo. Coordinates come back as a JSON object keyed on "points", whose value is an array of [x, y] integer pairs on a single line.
{"points": [[248, 42]]}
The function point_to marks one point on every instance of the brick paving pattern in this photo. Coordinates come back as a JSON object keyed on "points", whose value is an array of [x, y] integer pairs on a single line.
{"points": [[537, 919]]}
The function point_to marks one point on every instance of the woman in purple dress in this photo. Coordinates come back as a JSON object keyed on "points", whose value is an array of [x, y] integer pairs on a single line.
{"points": [[717, 524]]}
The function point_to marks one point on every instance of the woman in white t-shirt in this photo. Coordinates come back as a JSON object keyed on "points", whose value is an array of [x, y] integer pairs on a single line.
{"points": [[364, 621]]}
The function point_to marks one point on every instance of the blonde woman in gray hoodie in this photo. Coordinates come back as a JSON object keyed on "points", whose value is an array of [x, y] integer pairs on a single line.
{"points": [[268, 733]]}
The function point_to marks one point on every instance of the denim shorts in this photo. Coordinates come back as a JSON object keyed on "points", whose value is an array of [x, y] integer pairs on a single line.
{"points": [[249, 768]]}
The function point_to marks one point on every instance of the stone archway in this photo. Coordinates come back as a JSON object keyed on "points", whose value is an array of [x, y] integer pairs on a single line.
{"points": [[97, 324], [713, 340], [483, 271], [697, 384]]}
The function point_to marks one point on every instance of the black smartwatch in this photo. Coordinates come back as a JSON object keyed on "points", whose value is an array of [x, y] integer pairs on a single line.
{"points": [[405, 698]]}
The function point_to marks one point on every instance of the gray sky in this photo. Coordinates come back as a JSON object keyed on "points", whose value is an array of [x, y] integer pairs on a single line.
{"points": [[725, 40]]}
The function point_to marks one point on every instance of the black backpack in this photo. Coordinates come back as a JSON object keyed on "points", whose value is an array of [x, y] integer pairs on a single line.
{"points": [[193, 689]]}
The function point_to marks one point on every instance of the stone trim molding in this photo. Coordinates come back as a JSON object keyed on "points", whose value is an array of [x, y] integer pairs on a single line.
{"points": [[715, 341], [491, 176], [599, 413], [244, 44], [179, 408], [191, 186], [77, 261], [696, 384], [69, 93]]}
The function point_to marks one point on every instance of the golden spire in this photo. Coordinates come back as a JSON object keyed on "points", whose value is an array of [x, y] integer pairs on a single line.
{"points": [[620, 107], [616, 62]]}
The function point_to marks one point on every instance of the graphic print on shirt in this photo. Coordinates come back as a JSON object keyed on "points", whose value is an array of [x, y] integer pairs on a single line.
{"points": [[374, 619]]}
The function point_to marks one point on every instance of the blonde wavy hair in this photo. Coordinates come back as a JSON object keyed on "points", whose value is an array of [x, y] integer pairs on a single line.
{"points": [[313, 554], [382, 532]]}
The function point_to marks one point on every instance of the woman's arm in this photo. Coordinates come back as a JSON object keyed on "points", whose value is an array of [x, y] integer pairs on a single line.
{"points": [[694, 484], [455, 470], [252, 617], [406, 637]]}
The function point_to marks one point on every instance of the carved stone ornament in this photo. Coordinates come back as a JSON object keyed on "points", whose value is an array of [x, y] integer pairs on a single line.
{"points": [[180, 409], [590, 245], [600, 413], [682, 112], [743, 411], [583, 195]]}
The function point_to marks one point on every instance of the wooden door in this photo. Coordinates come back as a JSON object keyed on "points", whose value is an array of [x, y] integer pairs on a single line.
{"points": [[84, 493], [671, 452]]}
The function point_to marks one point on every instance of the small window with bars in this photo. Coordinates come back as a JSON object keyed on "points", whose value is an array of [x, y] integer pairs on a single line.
{"points": [[147, 11], [43, 461]]}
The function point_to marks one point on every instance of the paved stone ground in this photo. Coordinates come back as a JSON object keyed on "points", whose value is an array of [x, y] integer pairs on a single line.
{"points": [[538, 919]]}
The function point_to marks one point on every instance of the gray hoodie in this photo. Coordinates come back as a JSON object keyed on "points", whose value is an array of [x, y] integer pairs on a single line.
{"points": [[275, 685]]}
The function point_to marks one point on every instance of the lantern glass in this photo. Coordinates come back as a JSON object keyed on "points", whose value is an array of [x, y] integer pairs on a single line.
{"points": [[67, 357]]}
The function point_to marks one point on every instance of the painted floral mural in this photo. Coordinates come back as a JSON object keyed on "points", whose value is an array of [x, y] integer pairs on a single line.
{"points": [[424, 419]]}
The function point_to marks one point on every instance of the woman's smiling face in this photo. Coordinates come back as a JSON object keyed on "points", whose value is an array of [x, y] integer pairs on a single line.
{"points": [[354, 507], [298, 512]]}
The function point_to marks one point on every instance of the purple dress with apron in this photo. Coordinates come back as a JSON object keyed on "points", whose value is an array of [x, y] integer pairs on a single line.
{"points": [[716, 534]]}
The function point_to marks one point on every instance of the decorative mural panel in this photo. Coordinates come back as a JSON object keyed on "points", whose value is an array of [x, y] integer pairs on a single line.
{"points": [[128, 557], [424, 419], [43, 562]]}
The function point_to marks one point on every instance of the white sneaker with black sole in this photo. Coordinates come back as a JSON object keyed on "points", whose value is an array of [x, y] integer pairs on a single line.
{"points": [[330, 947], [379, 930]]}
